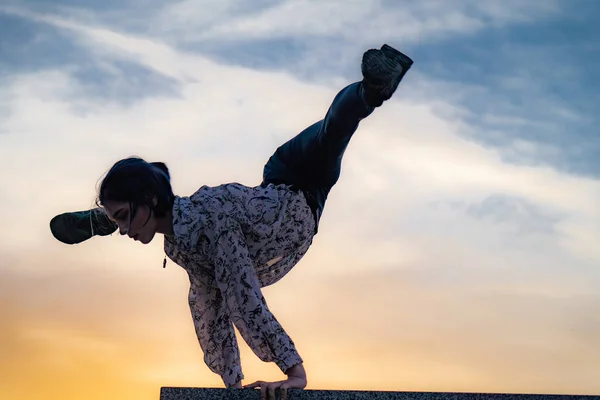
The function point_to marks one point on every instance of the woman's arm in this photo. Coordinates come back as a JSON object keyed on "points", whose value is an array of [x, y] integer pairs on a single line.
{"points": [[248, 310], [215, 332]]}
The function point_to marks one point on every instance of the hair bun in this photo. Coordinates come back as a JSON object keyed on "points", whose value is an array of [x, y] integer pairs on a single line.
{"points": [[163, 167]]}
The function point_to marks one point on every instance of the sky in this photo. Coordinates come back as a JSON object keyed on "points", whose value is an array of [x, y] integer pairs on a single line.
{"points": [[458, 251]]}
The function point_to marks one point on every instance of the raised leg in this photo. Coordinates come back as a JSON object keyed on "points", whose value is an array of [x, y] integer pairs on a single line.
{"points": [[311, 161]]}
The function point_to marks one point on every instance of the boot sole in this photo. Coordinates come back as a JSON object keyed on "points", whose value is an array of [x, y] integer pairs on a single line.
{"points": [[402, 58], [63, 228], [75, 227]]}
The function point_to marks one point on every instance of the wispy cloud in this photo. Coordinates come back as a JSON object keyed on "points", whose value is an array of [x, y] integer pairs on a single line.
{"points": [[453, 230], [372, 21]]}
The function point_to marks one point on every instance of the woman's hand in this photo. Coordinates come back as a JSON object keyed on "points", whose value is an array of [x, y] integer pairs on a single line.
{"points": [[296, 379]]}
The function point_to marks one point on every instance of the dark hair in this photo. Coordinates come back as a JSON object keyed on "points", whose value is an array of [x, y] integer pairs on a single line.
{"points": [[138, 182]]}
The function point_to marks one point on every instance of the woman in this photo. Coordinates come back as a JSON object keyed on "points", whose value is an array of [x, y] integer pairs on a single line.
{"points": [[233, 239]]}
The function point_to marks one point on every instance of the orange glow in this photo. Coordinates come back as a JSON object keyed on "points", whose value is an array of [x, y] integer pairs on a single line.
{"points": [[117, 334]]}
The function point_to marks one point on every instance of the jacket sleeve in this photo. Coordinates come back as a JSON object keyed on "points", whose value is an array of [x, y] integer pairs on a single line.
{"points": [[236, 279], [215, 332]]}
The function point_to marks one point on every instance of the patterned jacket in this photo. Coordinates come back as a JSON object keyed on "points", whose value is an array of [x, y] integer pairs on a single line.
{"points": [[232, 240]]}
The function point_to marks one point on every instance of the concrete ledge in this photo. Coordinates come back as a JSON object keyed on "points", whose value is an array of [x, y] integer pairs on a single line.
{"points": [[174, 393]]}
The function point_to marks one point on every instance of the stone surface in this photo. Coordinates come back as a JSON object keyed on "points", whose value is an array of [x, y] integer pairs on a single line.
{"points": [[174, 393]]}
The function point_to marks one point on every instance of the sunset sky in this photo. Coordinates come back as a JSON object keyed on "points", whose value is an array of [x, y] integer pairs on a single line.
{"points": [[460, 250]]}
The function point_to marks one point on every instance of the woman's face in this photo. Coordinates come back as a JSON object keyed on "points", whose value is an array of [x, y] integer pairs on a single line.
{"points": [[142, 227]]}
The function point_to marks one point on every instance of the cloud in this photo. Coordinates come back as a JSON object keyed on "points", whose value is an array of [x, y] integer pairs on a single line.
{"points": [[429, 157], [372, 21], [527, 218], [435, 250], [501, 80]]}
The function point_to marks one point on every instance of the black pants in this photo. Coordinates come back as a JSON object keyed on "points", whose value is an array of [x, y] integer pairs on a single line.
{"points": [[312, 160]]}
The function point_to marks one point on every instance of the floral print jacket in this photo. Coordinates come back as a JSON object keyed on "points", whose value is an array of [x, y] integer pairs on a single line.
{"points": [[232, 240]]}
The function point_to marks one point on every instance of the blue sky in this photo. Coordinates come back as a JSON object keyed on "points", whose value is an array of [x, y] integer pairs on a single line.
{"points": [[467, 206]]}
